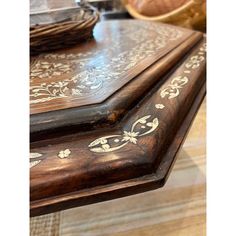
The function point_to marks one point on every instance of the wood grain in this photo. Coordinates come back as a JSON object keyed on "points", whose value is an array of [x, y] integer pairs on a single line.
{"points": [[135, 147], [177, 209], [115, 107], [86, 176], [96, 61]]}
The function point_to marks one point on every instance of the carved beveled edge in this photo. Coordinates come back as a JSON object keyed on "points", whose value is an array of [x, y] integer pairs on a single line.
{"points": [[148, 124], [68, 199], [107, 109], [127, 187]]}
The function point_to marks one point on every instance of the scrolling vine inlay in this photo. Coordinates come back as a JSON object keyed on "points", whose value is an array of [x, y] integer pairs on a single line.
{"points": [[107, 143], [84, 75], [144, 125], [139, 128], [173, 89]]}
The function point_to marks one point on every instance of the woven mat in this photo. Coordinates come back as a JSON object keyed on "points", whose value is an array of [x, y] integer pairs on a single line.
{"points": [[46, 225]]}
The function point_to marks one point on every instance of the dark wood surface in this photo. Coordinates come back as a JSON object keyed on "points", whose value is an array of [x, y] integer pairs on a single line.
{"points": [[115, 107], [134, 154], [123, 188], [108, 80], [178, 208], [91, 72]]}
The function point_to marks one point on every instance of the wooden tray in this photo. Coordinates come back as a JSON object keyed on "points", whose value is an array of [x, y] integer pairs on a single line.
{"points": [[118, 135]]}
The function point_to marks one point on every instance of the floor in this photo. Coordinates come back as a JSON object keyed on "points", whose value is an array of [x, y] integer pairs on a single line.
{"points": [[177, 209]]}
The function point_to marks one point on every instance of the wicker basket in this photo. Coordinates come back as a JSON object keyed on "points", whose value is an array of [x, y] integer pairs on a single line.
{"points": [[52, 36], [191, 14]]}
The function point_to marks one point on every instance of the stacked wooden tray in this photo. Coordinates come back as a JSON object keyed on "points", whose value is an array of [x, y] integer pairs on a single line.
{"points": [[109, 116]]}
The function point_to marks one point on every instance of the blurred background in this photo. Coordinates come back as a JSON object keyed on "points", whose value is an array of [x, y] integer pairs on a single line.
{"points": [[185, 13]]}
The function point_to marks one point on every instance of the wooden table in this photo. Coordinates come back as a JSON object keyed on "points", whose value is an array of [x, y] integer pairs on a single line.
{"points": [[177, 209], [107, 121]]}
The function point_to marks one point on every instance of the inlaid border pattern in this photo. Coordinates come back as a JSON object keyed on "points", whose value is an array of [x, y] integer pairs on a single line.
{"points": [[140, 128], [106, 144], [144, 125]]}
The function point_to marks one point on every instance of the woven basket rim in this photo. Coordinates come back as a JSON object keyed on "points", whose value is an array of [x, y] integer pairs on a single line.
{"points": [[57, 35], [164, 17], [87, 7]]}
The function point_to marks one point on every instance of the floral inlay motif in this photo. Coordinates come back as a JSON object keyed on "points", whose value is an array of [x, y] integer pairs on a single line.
{"points": [[45, 69], [114, 142], [84, 81], [86, 77], [172, 90], [35, 158], [159, 106], [130, 136], [64, 153], [143, 126], [194, 62]]}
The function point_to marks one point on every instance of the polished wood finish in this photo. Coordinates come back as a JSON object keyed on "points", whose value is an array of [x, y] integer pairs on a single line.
{"points": [[132, 155], [90, 73], [179, 208], [124, 188], [115, 107]]}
